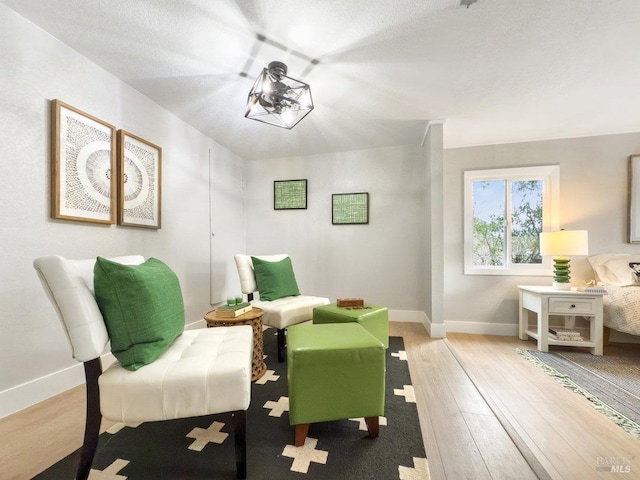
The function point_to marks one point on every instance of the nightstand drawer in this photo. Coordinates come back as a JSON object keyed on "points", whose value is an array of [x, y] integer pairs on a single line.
{"points": [[572, 306]]}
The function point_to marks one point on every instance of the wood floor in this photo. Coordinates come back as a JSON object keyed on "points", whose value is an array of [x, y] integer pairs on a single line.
{"points": [[488, 413], [485, 413]]}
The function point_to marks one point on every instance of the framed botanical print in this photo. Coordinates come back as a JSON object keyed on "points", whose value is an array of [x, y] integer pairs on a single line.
{"points": [[139, 182], [83, 166], [350, 208], [289, 194]]}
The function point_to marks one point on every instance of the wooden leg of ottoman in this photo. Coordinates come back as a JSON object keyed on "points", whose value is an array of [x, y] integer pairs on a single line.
{"points": [[302, 430], [372, 426]]}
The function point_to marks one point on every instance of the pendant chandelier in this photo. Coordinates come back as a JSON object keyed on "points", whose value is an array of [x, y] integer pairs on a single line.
{"points": [[277, 99]]}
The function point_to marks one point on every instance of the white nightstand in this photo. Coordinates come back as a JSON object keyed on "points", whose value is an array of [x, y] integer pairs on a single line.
{"points": [[545, 302]]}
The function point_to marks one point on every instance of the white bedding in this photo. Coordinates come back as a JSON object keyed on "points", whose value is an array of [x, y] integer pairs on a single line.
{"points": [[622, 308]]}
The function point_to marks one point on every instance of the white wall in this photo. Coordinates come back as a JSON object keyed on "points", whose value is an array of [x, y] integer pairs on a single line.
{"points": [[593, 196], [381, 261], [393, 261], [35, 68], [227, 232], [433, 236]]}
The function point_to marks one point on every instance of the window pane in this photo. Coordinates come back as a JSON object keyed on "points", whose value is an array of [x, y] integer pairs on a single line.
{"points": [[489, 225], [526, 221], [503, 219]]}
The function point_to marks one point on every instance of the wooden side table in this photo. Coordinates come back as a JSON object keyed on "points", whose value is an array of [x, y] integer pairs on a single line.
{"points": [[253, 318], [546, 301]]}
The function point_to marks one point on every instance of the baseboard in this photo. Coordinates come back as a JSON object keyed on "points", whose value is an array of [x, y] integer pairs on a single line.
{"points": [[202, 323], [481, 328], [415, 316], [35, 391], [23, 396], [439, 330], [436, 330]]}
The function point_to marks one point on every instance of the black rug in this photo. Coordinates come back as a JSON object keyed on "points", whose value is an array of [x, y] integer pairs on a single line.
{"points": [[166, 450], [611, 382]]}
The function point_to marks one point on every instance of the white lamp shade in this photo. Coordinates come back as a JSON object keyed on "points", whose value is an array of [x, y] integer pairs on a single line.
{"points": [[564, 242]]}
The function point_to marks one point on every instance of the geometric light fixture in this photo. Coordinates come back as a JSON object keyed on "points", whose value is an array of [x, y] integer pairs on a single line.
{"points": [[561, 244], [277, 99]]}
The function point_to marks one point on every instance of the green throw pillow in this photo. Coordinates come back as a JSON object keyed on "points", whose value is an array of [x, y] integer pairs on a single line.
{"points": [[275, 279], [142, 308]]}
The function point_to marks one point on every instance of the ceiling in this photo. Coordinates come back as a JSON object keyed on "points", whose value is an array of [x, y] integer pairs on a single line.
{"points": [[497, 71]]}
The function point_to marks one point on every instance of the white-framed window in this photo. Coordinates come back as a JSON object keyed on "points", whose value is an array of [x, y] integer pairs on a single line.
{"points": [[505, 209]]}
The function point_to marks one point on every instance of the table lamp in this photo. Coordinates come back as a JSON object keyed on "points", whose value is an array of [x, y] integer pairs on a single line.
{"points": [[561, 244]]}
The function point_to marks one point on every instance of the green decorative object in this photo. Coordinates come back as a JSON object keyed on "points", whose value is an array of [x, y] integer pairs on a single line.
{"points": [[560, 244], [142, 308], [350, 208], [289, 194], [561, 270], [275, 279]]}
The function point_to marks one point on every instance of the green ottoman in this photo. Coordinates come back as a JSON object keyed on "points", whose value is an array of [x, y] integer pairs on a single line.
{"points": [[335, 371], [375, 318]]}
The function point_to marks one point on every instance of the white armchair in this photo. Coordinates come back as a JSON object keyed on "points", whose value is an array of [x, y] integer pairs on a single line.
{"points": [[279, 313], [203, 371]]}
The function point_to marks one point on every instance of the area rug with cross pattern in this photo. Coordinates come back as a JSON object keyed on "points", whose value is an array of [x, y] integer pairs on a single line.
{"points": [[202, 447]]}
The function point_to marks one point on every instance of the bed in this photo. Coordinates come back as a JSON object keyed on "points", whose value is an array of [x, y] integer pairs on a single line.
{"points": [[620, 275]]}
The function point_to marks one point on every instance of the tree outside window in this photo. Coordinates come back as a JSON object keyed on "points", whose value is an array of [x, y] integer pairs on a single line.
{"points": [[505, 211]]}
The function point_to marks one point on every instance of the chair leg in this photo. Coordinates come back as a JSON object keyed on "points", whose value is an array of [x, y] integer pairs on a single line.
{"points": [[302, 430], [240, 434], [373, 426], [92, 370], [281, 344]]}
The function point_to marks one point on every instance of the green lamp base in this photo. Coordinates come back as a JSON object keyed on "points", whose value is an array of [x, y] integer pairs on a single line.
{"points": [[561, 273]]}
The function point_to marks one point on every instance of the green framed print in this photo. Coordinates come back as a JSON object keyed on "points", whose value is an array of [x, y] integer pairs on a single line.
{"points": [[289, 194], [350, 208]]}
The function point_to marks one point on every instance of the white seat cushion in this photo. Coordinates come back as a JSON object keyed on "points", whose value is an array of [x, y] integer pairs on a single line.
{"points": [[204, 371], [287, 311], [282, 312]]}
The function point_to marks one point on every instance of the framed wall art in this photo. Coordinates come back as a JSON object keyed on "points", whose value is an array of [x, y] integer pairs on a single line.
{"points": [[350, 208], [634, 199], [289, 194], [83, 166], [139, 182]]}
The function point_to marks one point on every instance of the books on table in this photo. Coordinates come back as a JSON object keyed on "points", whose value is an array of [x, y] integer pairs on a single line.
{"points": [[565, 334], [594, 289], [232, 311]]}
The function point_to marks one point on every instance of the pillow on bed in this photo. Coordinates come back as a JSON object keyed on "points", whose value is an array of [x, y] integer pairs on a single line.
{"points": [[616, 269], [635, 270]]}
